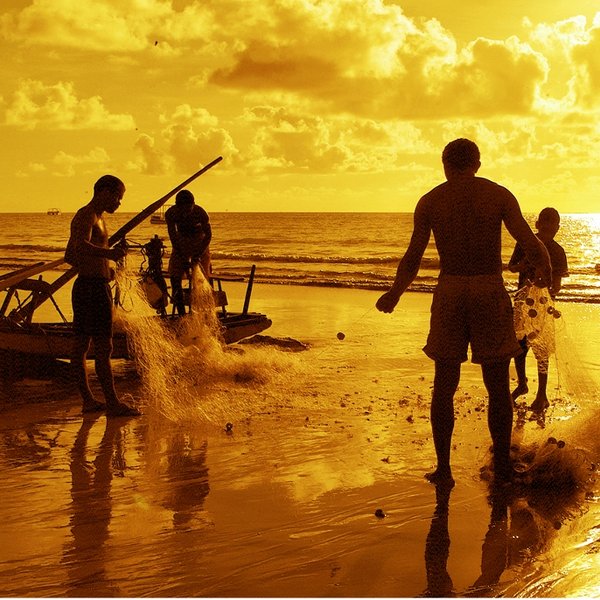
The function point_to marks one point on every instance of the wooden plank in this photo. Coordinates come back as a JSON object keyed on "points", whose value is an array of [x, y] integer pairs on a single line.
{"points": [[11, 279]]}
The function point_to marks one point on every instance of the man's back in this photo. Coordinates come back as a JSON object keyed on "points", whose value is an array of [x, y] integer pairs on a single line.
{"points": [[466, 214]]}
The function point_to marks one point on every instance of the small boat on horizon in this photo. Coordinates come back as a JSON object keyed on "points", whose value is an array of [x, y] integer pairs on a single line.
{"points": [[53, 211], [158, 218]]}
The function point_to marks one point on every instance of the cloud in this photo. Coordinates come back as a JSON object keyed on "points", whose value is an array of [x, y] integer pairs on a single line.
{"points": [[37, 105], [572, 49], [190, 137], [587, 59], [67, 165], [367, 58], [287, 139], [100, 25], [114, 26]]}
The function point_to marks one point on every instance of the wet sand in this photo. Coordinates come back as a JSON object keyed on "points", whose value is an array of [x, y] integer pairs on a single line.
{"points": [[283, 500]]}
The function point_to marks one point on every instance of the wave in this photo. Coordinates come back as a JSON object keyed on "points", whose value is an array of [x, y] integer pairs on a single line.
{"points": [[31, 248], [427, 263]]}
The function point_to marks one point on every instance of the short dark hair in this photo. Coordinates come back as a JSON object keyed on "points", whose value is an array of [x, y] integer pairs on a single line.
{"points": [[461, 154], [109, 182], [184, 197], [550, 215]]}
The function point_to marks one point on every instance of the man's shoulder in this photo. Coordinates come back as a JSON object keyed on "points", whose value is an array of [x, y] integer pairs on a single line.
{"points": [[86, 214], [172, 213]]}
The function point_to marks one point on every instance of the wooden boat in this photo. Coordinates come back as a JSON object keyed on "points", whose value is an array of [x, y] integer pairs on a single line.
{"points": [[53, 211], [20, 333]]}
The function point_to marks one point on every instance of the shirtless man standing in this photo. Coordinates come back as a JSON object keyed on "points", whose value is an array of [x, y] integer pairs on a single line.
{"points": [[470, 303], [88, 251]]}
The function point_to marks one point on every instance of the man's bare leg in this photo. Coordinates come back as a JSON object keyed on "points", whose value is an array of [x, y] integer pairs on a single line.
{"points": [[114, 407], [447, 376], [78, 363], [500, 415]]}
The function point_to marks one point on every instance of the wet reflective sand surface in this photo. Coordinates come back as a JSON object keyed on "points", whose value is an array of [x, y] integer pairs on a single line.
{"points": [[283, 501]]}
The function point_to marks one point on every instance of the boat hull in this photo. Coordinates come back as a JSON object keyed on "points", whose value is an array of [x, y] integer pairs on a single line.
{"points": [[55, 340]]}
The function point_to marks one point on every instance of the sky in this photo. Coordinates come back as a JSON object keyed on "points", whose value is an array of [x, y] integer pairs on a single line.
{"points": [[315, 105]]}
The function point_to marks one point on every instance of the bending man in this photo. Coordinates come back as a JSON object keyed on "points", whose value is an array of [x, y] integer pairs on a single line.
{"points": [[190, 234]]}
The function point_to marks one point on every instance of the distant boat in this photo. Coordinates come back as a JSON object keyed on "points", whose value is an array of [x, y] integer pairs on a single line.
{"points": [[53, 211], [158, 218]]}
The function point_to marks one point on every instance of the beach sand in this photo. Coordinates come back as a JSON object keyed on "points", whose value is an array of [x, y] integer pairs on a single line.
{"points": [[272, 488]]}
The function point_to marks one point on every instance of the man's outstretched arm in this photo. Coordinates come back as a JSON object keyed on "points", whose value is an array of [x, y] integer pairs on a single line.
{"points": [[410, 262], [535, 251]]}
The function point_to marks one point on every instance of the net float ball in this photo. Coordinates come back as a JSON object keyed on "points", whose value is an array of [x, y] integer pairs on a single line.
{"points": [[556, 314], [341, 336], [529, 301], [532, 313]]}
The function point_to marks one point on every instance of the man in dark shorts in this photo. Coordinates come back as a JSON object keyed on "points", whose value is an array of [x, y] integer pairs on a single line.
{"points": [[547, 225], [190, 234], [470, 304], [88, 251]]}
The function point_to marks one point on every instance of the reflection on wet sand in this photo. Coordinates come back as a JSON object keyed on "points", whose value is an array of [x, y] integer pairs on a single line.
{"points": [[85, 554], [516, 533], [437, 547], [187, 478]]}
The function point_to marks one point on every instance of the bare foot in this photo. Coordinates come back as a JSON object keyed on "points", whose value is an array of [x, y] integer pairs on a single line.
{"points": [[503, 474], [540, 404], [122, 410], [520, 390], [92, 406], [440, 477]]}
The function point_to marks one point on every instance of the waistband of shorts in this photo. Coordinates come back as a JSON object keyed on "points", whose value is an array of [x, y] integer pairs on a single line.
{"points": [[495, 278], [93, 279]]}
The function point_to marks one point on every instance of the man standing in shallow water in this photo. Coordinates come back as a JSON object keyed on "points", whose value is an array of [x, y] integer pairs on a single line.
{"points": [[470, 303], [88, 251]]}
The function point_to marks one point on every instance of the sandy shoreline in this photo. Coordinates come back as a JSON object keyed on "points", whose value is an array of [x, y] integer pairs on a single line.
{"points": [[283, 504]]}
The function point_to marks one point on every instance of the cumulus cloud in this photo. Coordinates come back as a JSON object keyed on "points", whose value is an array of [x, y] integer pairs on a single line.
{"points": [[99, 25], [368, 58], [189, 138], [572, 49], [286, 139], [37, 105], [64, 164]]}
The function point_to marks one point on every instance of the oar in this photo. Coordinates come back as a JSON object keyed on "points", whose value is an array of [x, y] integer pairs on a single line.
{"points": [[113, 239]]}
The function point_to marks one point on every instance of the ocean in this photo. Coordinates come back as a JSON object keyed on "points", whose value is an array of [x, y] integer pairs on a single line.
{"points": [[351, 250]]}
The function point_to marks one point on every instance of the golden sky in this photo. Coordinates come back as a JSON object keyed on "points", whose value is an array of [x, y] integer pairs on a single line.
{"points": [[315, 105]]}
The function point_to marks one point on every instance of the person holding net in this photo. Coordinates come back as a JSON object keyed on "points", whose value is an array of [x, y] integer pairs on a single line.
{"points": [[190, 234], [534, 326], [470, 305]]}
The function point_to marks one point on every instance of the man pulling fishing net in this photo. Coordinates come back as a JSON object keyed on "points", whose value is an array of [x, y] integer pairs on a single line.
{"points": [[470, 305], [190, 234]]}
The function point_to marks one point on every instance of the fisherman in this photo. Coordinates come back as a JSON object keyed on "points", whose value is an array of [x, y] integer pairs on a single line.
{"points": [[470, 303], [88, 251], [190, 234]]}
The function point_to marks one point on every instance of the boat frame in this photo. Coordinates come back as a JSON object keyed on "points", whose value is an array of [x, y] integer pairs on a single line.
{"points": [[21, 334]]}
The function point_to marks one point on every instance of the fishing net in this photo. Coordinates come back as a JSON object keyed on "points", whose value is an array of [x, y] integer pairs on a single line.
{"points": [[186, 368], [535, 316]]}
